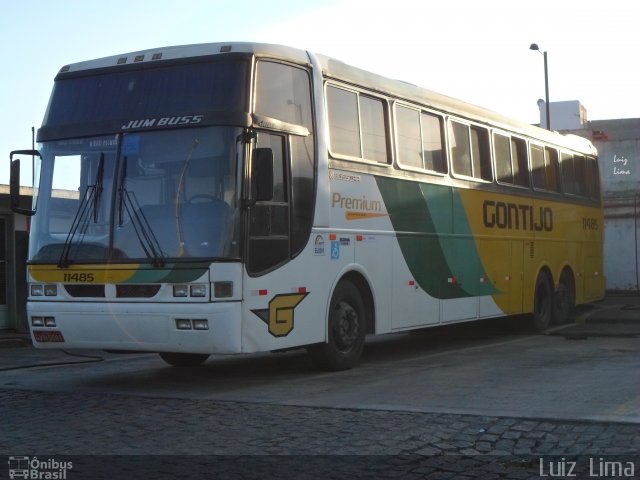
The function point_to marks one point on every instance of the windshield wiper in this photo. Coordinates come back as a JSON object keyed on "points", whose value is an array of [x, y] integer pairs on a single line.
{"points": [[128, 201], [90, 202]]}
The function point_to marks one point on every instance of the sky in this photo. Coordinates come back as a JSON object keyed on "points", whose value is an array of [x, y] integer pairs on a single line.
{"points": [[477, 51]]}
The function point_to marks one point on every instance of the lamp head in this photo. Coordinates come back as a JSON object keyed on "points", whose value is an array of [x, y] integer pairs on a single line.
{"points": [[534, 46]]}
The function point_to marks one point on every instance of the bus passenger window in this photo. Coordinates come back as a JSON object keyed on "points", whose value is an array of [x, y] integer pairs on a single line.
{"points": [[432, 143], [344, 130], [568, 173], [538, 172], [502, 152], [460, 149], [409, 141], [374, 136], [481, 153], [581, 175], [519, 162], [593, 178], [551, 169]]}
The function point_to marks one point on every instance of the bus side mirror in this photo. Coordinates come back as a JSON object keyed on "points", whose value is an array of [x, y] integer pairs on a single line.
{"points": [[262, 175], [14, 181]]}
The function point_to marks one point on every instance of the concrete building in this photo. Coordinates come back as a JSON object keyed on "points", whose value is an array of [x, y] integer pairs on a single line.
{"points": [[618, 144]]}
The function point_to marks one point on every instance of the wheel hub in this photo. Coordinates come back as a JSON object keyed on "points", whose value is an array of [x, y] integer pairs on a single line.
{"points": [[346, 328]]}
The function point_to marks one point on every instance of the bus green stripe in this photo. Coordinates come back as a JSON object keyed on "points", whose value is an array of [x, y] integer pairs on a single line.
{"points": [[435, 238]]}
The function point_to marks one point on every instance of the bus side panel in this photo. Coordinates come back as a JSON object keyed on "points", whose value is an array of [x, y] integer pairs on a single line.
{"points": [[287, 307], [372, 255], [411, 305]]}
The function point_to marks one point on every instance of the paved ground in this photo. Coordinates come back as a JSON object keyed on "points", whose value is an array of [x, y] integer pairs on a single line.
{"points": [[179, 429]]}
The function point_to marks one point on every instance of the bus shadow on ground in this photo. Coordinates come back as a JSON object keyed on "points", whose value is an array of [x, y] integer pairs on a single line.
{"points": [[225, 373]]}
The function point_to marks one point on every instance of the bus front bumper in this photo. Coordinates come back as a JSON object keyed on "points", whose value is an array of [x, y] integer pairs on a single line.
{"points": [[166, 327]]}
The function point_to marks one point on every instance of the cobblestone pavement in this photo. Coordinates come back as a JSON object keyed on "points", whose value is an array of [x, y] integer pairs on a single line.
{"points": [[274, 441]]}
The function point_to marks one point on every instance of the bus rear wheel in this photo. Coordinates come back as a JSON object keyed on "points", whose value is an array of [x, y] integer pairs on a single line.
{"points": [[563, 300], [540, 318], [347, 324], [184, 359]]}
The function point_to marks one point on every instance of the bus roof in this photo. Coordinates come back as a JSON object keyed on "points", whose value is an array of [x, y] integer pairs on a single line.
{"points": [[339, 70], [190, 51]]}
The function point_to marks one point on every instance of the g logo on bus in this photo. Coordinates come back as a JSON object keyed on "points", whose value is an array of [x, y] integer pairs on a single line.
{"points": [[280, 314]]}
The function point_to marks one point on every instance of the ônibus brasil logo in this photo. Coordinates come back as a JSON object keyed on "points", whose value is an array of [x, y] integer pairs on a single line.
{"points": [[34, 469]]}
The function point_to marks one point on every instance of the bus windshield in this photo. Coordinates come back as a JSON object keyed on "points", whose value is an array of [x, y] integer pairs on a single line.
{"points": [[145, 197]]}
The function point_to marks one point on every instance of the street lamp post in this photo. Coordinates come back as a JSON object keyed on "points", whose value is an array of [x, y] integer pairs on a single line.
{"points": [[534, 46]]}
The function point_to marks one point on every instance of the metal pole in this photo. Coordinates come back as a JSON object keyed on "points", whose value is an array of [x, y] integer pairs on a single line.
{"points": [[546, 90], [33, 158], [635, 228]]}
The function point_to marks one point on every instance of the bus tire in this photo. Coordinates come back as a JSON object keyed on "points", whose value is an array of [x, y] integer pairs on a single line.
{"points": [[347, 324], [563, 300], [540, 318], [184, 359]]}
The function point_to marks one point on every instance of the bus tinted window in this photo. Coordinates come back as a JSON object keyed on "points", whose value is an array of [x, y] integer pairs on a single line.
{"points": [[481, 153], [282, 92], [420, 142], [374, 139], [568, 173], [357, 126], [580, 175], [551, 169], [460, 149], [470, 151], [502, 152], [537, 167], [432, 143], [544, 168], [593, 178], [519, 162], [579, 166], [409, 137], [343, 122]]}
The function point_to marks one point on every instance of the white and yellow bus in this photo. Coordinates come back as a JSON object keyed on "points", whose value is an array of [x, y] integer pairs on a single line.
{"points": [[232, 198]]}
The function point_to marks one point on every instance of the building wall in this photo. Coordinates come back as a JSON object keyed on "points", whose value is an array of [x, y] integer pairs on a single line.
{"points": [[618, 144]]}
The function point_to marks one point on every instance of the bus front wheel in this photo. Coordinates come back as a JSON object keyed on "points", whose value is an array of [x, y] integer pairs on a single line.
{"points": [[347, 324], [184, 359], [542, 304]]}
